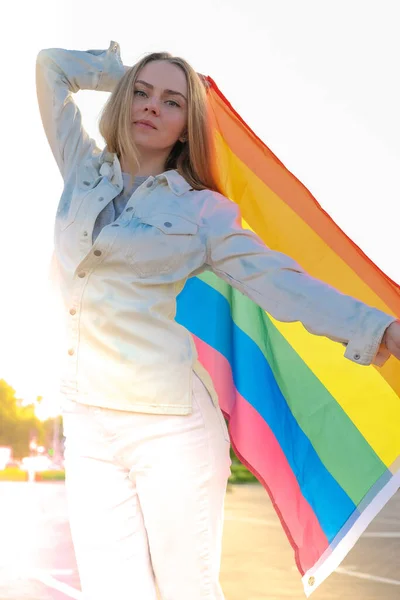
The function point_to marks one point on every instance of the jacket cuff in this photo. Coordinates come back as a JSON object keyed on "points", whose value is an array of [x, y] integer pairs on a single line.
{"points": [[113, 69], [364, 347]]}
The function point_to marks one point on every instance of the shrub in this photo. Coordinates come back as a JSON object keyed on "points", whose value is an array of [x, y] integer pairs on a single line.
{"points": [[240, 474], [13, 474], [50, 476]]}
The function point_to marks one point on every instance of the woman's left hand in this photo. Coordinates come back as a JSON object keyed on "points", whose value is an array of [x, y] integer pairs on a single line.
{"points": [[391, 339]]}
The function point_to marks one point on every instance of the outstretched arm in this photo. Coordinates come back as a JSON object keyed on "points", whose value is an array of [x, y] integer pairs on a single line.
{"points": [[283, 288]]}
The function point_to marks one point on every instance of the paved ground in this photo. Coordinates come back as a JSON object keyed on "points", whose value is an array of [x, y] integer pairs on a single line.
{"points": [[37, 560]]}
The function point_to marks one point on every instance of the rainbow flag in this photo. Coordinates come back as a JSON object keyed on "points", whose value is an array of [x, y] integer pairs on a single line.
{"points": [[318, 431]]}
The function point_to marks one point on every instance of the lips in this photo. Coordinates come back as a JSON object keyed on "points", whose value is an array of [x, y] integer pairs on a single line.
{"points": [[146, 124]]}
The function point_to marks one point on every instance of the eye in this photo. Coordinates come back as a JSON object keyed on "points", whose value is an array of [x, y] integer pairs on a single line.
{"points": [[139, 92], [173, 102]]}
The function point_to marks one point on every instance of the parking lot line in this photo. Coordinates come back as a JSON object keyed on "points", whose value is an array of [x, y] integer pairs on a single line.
{"points": [[375, 578], [382, 534], [55, 584]]}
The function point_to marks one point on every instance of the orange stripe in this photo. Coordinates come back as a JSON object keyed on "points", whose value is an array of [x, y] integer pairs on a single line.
{"points": [[284, 230]]}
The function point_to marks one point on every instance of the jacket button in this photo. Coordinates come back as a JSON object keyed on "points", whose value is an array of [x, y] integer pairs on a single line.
{"points": [[149, 184], [356, 357], [129, 209], [86, 183], [72, 311], [81, 274], [97, 253], [100, 199], [71, 351], [85, 233], [168, 224]]}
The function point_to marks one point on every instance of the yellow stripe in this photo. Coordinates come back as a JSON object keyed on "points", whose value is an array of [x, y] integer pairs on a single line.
{"points": [[363, 394]]}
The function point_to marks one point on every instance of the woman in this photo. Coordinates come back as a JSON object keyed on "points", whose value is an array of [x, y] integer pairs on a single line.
{"points": [[147, 448]]}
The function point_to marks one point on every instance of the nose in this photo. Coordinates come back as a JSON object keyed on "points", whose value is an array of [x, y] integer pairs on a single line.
{"points": [[152, 105]]}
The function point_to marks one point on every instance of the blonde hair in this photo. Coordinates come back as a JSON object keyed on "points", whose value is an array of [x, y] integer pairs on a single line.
{"points": [[194, 159]]}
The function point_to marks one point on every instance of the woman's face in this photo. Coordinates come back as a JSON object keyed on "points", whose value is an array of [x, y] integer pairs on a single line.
{"points": [[160, 97]]}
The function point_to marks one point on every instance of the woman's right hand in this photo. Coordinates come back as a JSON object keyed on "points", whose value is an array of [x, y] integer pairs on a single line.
{"points": [[391, 339]]}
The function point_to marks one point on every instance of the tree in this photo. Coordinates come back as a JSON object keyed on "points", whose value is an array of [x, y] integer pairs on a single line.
{"points": [[17, 422]]}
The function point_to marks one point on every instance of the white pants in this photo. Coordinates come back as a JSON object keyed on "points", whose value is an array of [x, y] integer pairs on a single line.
{"points": [[146, 498]]}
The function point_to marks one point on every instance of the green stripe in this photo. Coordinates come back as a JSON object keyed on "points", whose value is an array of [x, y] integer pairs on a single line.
{"points": [[339, 444]]}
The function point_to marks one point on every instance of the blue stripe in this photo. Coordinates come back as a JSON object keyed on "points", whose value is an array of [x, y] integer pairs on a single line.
{"points": [[206, 313]]}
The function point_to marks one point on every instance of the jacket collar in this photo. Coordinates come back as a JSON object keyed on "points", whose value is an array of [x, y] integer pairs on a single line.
{"points": [[177, 184]]}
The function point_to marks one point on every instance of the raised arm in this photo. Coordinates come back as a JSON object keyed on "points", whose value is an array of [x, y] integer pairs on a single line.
{"points": [[59, 74], [281, 287]]}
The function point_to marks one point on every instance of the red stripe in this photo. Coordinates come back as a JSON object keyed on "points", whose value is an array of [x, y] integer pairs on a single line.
{"points": [[257, 448]]}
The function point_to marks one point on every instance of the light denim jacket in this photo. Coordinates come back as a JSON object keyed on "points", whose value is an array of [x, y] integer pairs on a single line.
{"points": [[123, 348]]}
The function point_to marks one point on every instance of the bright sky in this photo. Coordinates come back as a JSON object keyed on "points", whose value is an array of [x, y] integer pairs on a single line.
{"points": [[316, 80]]}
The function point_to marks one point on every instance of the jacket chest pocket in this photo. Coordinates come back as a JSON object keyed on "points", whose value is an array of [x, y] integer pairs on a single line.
{"points": [[160, 244]]}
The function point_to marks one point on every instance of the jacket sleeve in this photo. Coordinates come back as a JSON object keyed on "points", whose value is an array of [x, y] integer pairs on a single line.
{"points": [[280, 286], [59, 74]]}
